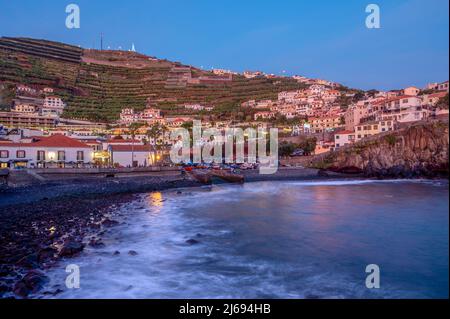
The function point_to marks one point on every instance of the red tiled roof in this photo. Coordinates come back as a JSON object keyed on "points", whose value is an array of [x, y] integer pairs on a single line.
{"points": [[88, 142], [50, 141], [345, 132], [439, 94], [121, 141], [129, 148]]}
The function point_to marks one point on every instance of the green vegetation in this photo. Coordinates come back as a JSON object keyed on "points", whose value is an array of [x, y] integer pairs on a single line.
{"points": [[308, 145], [99, 91], [443, 103], [391, 140]]}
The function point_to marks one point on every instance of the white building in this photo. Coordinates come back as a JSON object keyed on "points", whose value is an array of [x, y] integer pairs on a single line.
{"points": [[287, 96], [149, 115], [317, 89], [132, 155], [195, 107], [52, 151], [433, 99], [25, 108], [53, 106], [443, 86], [411, 91], [343, 138], [264, 115], [120, 141]]}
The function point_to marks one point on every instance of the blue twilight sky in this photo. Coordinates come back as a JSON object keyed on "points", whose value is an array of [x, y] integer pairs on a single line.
{"points": [[320, 39]]}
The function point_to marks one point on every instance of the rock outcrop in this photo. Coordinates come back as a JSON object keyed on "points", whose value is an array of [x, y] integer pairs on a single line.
{"points": [[419, 150]]}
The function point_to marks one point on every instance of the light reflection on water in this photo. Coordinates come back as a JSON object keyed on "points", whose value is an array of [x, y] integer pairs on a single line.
{"points": [[276, 240]]}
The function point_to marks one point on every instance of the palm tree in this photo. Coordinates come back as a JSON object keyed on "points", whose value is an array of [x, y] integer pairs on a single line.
{"points": [[155, 131], [133, 128]]}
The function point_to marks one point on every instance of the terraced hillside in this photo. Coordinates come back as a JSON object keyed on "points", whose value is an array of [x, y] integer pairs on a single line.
{"points": [[97, 84]]}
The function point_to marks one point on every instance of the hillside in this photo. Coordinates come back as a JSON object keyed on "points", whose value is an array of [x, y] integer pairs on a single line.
{"points": [[97, 84]]}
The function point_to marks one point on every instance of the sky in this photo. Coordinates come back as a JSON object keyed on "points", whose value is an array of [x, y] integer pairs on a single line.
{"points": [[325, 39]]}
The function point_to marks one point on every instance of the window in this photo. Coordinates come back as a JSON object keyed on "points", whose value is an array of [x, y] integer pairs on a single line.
{"points": [[61, 156], [4, 154], [20, 154], [80, 156], [41, 155], [375, 127], [337, 137]]}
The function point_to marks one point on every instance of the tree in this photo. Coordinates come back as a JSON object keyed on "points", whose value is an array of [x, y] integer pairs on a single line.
{"points": [[133, 129], [156, 131], [187, 125], [308, 145], [286, 148], [443, 103]]}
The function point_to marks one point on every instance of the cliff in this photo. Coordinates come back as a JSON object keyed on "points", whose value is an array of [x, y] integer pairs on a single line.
{"points": [[419, 150]]}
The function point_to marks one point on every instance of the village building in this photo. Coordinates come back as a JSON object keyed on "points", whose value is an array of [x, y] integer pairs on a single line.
{"points": [[24, 89], [343, 138], [149, 115], [364, 130], [323, 124], [132, 155], [433, 99], [45, 152], [264, 115], [27, 120], [443, 86], [120, 141], [53, 106], [411, 91]]}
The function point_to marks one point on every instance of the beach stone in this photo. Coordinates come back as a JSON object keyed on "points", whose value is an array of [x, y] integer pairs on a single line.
{"points": [[96, 243], [32, 282], [46, 253], [116, 253], [192, 241], [132, 253], [4, 288], [71, 248], [109, 222], [30, 261], [323, 173]]}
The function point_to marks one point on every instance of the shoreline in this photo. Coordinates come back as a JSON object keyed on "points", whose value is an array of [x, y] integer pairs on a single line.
{"points": [[57, 220]]}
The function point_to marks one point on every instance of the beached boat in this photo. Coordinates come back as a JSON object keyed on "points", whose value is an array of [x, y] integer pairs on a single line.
{"points": [[228, 176]]}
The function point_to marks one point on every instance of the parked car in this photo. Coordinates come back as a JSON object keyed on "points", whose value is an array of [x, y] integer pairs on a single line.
{"points": [[298, 152]]}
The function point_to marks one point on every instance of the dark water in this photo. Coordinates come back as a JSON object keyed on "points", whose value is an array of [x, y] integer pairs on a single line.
{"points": [[275, 240]]}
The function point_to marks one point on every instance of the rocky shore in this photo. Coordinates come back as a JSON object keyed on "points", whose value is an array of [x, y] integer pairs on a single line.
{"points": [[41, 224]]}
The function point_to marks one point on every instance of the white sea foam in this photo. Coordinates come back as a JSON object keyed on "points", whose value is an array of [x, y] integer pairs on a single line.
{"points": [[230, 260]]}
